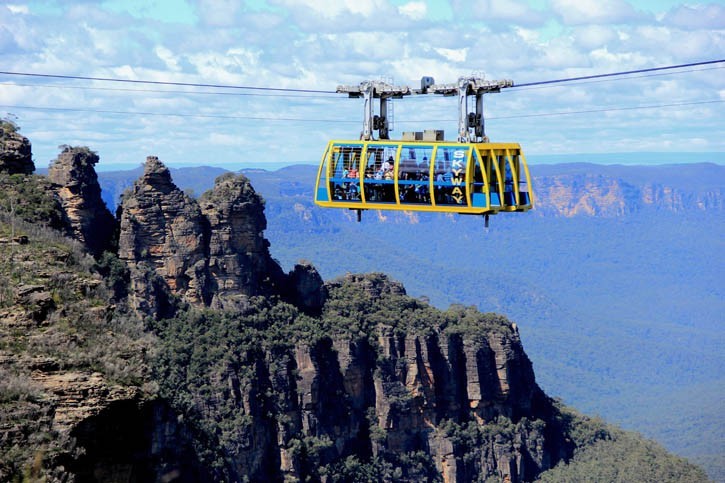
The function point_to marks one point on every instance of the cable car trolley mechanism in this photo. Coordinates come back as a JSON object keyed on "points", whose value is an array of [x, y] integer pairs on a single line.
{"points": [[422, 171]]}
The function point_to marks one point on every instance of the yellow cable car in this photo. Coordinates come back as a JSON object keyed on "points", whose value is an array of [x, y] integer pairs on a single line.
{"points": [[422, 172], [448, 177]]}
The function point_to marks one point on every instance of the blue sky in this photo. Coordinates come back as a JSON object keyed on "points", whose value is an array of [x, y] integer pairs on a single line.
{"points": [[318, 44]]}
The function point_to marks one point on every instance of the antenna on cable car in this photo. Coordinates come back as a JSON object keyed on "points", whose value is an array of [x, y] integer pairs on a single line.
{"points": [[470, 124], [370, 90]]}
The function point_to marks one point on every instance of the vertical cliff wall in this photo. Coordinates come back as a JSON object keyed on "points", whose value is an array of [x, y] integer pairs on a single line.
{"points": [[378, 379], [76, 183], [163, 239], [15, 150], [238, 255], [210, 253]]}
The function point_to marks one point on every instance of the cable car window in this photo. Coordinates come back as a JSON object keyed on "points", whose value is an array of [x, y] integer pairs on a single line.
{"points": [[379, 180], [450, 175], [490, 162], [414, 174], [344, 172], [478, 195], [509, 196], [523, 181], [322, 183]]}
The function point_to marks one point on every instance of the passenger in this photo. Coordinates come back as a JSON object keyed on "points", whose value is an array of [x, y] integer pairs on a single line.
{"points": [[423, 168], [388, 188], [388, 165], [352, 173], [422, 191], [440, 182], [448, 189], [339, 193], [409, 195], [407, 169]]}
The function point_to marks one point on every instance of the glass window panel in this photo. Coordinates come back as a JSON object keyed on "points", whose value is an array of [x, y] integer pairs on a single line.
{"points": [[379, 174], [478, 187], [344, 172], [508, 186], [414, 174], [450, 175]]}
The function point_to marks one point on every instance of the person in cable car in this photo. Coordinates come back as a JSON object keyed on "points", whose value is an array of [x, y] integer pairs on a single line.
{"points": [[388, 165], [423, 168]]}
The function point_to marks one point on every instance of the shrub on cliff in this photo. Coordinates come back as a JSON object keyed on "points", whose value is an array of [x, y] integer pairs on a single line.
{"points": [[30, 198]]}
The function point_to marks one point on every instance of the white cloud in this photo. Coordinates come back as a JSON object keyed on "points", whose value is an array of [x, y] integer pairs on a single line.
{"points": [[617, 60], [333, 8], [18, 9], [219, 139], [101, 41], [233, 66], [414, 10], [696, 16], [593, 36], [453, 55], [218, 13], [579, 12], [167, 57], [513, 12]]}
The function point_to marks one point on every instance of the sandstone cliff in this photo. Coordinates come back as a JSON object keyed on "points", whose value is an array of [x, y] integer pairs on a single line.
{"points": [[612, 191], [163, 239], [206, 253], [380, 379], [80, 194], [15, 150], [239, 261]]}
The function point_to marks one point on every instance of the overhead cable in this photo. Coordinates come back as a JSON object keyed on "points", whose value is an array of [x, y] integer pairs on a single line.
{"points": [[167, 91], [164, 83], [315, 91], [177, 114], [337, 121], [612, 74]]}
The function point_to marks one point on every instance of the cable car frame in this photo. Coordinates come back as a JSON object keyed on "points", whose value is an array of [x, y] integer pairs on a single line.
{"points": [[422, 172]]}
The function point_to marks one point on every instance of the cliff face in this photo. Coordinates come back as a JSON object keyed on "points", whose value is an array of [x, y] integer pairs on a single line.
{"points": [[592, 190], [80, 194], [163, 239], [210, 253], [379, 379], [15, 151], [238, 256], [410, 392]]}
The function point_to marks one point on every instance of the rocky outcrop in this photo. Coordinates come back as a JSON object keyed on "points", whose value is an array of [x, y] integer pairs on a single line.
{"points": [[207, 253], [15, 151], [163, 238], [238, 254], [307, 288], [76, 183], [462, 400]]}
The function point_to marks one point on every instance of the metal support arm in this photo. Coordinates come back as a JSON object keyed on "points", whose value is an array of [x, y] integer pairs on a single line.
{"points": [[369, 91]]}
